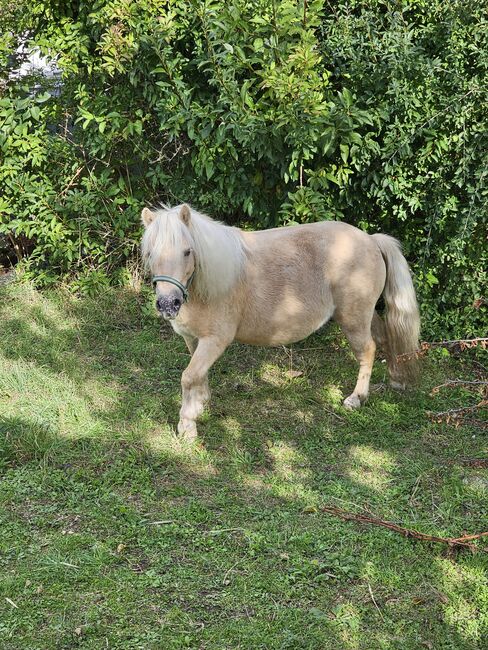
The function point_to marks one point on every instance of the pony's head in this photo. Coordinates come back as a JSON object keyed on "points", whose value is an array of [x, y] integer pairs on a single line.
{"points": [[169, 250], [189, 254]]}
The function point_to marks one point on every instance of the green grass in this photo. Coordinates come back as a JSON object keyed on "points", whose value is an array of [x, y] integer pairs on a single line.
{"points": [[115, 534]]}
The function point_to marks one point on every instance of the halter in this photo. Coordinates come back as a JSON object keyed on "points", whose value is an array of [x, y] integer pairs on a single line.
{"points": [[182, 287]]}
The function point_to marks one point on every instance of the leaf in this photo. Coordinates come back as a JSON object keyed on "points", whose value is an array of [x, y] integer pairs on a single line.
{"points": [[40, 99], [293, 374], [209, 169], [317, 613], [347, 98], [327, 140]]}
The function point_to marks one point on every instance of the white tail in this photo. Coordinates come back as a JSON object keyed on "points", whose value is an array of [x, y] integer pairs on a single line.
{"points": [[402, 314]]}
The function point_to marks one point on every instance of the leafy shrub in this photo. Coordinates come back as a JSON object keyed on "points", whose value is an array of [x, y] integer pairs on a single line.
{"points": [[273, 112]]}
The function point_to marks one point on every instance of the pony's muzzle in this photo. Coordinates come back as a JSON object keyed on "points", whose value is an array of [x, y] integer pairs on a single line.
{"points": [[169, 306]]}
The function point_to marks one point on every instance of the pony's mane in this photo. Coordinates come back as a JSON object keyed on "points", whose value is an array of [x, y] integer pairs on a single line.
{"points": [[219, 249]]}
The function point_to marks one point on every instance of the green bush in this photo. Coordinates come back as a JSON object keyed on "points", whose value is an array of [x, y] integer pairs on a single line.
{"points": [[258, 111]]}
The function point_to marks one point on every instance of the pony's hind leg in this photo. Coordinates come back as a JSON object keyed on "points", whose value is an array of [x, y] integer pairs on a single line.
{"points": [[194, 384], [380, 335], [361, 341]]}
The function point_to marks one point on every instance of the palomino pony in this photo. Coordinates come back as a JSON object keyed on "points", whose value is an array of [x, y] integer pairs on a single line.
{"points": [[217, 284]]}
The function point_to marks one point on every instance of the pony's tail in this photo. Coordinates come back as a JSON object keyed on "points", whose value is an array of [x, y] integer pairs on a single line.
{"points": [[402, 314]]}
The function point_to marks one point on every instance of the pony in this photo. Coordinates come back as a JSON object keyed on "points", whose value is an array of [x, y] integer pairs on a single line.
{"points": [[217, 284]]}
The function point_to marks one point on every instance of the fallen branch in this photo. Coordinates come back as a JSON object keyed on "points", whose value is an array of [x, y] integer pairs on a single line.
{"points": [[473, 462], [452, 542], [456, 416], [451, 345], [460, 383]]}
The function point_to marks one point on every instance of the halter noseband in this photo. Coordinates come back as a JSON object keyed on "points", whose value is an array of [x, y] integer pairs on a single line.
{"points": [[182, 287]]}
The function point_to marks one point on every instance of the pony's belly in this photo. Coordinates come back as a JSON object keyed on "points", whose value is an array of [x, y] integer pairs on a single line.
{"points": [[282, 333]]}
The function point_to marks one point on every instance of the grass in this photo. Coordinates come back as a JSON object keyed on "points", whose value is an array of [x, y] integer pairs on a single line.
{"points": [[114, 534]]}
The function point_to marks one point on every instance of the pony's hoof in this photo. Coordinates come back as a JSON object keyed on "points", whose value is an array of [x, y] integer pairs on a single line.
{"points": [[352, 402], [397, 385], [188, 430]]}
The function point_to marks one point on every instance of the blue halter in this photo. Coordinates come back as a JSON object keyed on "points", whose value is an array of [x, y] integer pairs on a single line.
{"points": [[167, 278]]}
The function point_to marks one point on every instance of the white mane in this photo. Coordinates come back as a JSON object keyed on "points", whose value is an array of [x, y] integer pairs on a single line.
{"points": [[219, 249]]}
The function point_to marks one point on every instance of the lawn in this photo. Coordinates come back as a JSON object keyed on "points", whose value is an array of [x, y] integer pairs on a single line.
{"points": [[115, 534]]}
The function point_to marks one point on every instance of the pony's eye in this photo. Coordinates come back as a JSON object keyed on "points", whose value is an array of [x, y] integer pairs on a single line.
{"points": [[187, 252]]}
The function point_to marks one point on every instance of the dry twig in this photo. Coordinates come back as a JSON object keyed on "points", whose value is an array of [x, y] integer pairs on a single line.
{"points": [[374, 601], [473, 462], [451, 345], [457, 416], [459, 383], [452, 542], [71, 182]]}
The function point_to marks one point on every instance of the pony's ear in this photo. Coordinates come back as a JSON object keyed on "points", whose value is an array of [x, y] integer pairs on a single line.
{"points": [[185, 214], [147, 217]]}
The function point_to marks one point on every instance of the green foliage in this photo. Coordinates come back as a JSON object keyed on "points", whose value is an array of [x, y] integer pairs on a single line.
{"points": [[276, 112]]}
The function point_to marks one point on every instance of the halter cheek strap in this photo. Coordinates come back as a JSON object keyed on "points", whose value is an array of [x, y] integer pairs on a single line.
{"points": [[182, 287]]}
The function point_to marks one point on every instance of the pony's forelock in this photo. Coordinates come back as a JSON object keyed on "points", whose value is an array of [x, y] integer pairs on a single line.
{"points": [[219, 249], [165, 230]]}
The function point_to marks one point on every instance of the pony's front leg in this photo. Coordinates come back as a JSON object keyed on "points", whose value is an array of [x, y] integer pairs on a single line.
{"points": [[194, 384], [191, 344]]}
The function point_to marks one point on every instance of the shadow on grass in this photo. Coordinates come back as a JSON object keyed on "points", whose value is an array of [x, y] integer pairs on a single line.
{"points": [[92, 392]]}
